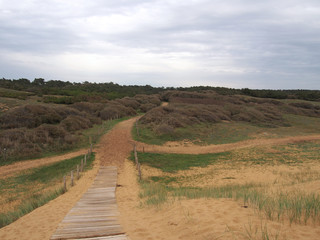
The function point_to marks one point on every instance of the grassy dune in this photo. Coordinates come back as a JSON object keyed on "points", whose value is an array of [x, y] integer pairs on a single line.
{"points": [[33, 188], [278, 182]]}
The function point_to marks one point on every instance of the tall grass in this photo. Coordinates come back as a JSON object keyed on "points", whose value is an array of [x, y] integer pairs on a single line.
{"points": [[156, 194], [33, 188], [297, 207], [28, 206]]}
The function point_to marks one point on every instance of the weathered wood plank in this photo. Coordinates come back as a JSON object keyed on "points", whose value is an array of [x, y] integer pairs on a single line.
{"points": [[94, 216]]}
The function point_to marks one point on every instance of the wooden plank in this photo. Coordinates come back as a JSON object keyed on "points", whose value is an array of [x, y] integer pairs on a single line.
{"points": [[116, 237], [94, 216]]}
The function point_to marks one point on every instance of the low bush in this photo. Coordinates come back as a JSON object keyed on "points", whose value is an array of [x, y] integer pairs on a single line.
{"points": [[190, 108], [73, 123], [116, 110]]}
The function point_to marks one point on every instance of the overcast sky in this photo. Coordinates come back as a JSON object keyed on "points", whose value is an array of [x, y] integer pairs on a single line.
{"points": [[271, 44]]}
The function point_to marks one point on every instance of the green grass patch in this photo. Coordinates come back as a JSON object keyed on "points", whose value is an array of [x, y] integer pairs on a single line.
{"points": [[175, 162], [28, 206], [218, 133], [230, 132], [9, 93], [34, 188], [165, 179]]}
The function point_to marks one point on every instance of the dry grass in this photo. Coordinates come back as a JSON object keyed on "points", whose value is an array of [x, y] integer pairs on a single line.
{"points": [[279, 183]]}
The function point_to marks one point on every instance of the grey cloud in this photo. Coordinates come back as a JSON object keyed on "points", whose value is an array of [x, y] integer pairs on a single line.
{"points": [[266, 41]]}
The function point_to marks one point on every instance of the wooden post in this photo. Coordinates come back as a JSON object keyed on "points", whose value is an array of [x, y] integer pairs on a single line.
{"points": [[5, 154], [136, 156], [90, 149], [137, 128], [72, 178], [85, 159], [64, 183], [139, 171], [77, 171], [81, 168]]}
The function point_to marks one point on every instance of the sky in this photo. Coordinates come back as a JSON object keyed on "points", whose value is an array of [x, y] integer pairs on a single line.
{"points": [[271, 44]]}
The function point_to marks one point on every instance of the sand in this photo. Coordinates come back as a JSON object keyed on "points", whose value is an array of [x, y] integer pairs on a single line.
{"points": [[197, 219], [9, 170], [176, 219], [43, 221], [181, 147]]}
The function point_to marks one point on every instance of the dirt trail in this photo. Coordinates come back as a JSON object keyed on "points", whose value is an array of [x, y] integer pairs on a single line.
{"points": [[117, 144], [9, 170], [40, 224], [177, 147], [182, 220]]}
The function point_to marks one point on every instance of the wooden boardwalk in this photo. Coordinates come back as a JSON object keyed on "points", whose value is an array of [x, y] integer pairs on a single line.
{"points": [[95, 215]]}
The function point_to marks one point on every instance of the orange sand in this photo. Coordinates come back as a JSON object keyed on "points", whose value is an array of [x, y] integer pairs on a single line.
{"points": [[196, 219], [9, 170], [179, 219]]}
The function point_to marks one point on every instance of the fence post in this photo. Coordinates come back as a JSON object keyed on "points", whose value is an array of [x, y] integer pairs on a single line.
{"points": [[5, 154], [90, 149], [81, 168], [77, 171], [64, 183], [139, 170], [136, 155], [71, 178], [85, 159], [137, 128]]}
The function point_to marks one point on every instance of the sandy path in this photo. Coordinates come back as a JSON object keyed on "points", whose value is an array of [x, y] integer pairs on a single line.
{"points": [[182, 219], [116, 145], [42, 222], [9, 170], [177, 147]]}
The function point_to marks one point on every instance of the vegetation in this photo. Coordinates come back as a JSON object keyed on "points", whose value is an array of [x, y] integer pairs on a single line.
{"points": [[209, 117], [175, 162], [285, 204], [33, 188], [77, 92], [31, 130]]}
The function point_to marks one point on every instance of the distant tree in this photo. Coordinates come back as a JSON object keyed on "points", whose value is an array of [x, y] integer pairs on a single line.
{"points": [[38, 82]]}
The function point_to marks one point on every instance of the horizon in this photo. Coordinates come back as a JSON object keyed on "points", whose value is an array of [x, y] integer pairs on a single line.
{"points": [[165, 87]]}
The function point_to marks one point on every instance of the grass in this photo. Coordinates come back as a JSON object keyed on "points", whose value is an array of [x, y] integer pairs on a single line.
{"points": [[33, 188], [291, 154], [230, 132], [298, 207], [175, 162], [285, 204], [87, 136], [9, 93]]}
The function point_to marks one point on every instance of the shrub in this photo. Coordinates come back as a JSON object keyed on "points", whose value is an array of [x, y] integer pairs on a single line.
{"points": [[116, 110], [90, 108], [128, 102], [145, 99], [164, 129], [147, 107], [73, 123]]}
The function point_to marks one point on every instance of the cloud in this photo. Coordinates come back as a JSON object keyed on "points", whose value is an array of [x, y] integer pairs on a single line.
{"points": [[236, 43]]}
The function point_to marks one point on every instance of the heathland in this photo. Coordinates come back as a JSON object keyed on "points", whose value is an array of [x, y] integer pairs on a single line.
{"points": [[216, 163]]}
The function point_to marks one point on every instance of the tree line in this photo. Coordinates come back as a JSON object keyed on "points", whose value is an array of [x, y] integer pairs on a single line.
{"points": [[87, 91]]}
